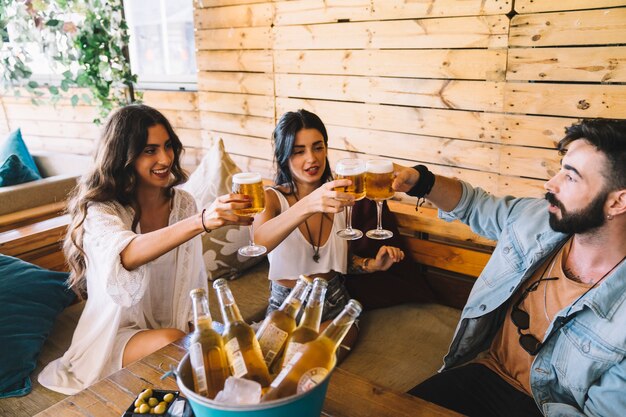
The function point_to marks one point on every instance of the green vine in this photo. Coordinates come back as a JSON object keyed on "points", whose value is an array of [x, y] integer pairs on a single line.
{"points": [[84, 41]]}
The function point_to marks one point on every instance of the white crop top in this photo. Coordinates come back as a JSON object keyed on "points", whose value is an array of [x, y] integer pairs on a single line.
{"points": [[294, 255]]}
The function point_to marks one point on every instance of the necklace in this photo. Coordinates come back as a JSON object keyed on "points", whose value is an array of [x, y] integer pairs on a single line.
{"points": [[559, 322], [545, 291], [316, 248]]}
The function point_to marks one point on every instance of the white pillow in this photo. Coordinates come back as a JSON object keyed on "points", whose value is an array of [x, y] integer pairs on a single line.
{"points": [[211, 179]]}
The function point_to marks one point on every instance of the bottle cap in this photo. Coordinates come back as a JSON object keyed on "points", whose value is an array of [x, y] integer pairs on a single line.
{"points": [[197, 291], [219, 283]]}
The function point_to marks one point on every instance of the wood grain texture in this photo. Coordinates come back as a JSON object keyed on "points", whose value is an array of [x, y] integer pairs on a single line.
{"points": [[324, 11], [459, 32], [586, 27], [536, 6]]}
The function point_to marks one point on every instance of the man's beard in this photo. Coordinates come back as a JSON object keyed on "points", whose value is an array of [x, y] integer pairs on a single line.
{"points": [[581, 221]]}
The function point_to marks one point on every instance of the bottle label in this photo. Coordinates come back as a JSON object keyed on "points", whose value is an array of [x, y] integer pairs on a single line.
{"points": [[311, 378], [271, 341], [292, 349], [279, 378], [197, 366], [235, 358]]}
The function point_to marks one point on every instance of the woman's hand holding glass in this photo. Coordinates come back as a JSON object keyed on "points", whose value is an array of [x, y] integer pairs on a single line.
{"points": [[326, 199], [221, 212], [251, 185]]}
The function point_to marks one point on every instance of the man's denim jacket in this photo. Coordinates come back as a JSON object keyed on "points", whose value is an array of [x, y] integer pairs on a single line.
{"points": [[581, 370]]}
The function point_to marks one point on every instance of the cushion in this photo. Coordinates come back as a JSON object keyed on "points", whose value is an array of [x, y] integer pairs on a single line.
{"points": [[30, 300], [14, 145], [13, 172], [211, 179], [402, 283]]}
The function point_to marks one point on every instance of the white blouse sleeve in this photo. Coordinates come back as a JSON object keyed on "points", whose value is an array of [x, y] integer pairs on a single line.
{"points": [[107, 232]]}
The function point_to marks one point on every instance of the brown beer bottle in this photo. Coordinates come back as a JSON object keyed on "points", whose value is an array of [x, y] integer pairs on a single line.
{"points": [[207, 356], [309, 327], [309, 367], [279, 324], [242, 347]]}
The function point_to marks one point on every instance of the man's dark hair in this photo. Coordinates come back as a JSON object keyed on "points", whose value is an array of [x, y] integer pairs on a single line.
{"points": [[609, 137]]}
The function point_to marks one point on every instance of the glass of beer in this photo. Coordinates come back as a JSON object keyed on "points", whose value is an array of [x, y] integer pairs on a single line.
{"points": [[378, 180], [250, 184], [354, 170]]}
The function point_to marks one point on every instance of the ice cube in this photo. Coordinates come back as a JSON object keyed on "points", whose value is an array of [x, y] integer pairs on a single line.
{"points": [[239, 391]]}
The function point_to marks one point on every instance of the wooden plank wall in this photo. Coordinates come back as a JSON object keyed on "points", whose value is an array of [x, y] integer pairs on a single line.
{"points": [[65, 128], [479, 89]]}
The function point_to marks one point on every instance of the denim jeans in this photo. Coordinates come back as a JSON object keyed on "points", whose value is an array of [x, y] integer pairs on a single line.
{"points": [[336, 298]]}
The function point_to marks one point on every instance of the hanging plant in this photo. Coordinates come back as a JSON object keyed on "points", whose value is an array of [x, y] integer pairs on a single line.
{"points": [[84, 41]]}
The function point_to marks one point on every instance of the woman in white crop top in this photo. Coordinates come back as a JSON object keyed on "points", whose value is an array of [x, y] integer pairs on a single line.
{"points": [[303, 214]]}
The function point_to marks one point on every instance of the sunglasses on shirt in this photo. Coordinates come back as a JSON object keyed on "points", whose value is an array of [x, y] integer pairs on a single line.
{"points": [[521, 320]]}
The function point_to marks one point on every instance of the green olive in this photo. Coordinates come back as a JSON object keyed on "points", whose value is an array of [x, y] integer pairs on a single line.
{"points": [[144, 408], [145, 394], [168, 397], [160, 409], [153, 402]]}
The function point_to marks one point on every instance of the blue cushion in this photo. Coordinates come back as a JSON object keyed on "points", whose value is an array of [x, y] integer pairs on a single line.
{"points": [[30, 300], [14, 145], [13, 172]]}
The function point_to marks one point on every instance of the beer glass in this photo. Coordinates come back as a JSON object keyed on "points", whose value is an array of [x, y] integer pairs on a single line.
{"points": [[354, 170], [250, 184], [378, 180]]}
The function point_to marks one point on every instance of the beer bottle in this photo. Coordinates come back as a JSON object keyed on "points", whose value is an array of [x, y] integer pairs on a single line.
{"points": [[310, 324], [308, 368], [279, 324], [206, 349], [242, 347]]}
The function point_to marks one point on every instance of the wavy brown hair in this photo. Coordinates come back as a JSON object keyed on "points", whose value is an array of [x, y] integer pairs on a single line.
{"points": [[113, 177]]}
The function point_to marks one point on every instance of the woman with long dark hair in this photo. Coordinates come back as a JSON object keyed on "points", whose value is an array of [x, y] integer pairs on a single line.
{"points": [[133, 246], [303, 214]]}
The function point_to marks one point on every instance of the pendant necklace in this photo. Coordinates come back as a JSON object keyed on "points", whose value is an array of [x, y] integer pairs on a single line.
{"points": [[316, 248]]}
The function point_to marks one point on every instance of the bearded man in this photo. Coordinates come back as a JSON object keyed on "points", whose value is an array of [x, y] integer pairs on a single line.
{"points": [[544, 329]]}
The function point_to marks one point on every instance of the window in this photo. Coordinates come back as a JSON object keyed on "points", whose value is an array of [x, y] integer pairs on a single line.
{"points": [[162, 47]]}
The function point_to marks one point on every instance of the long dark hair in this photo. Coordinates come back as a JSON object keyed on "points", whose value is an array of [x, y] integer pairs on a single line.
{"points": [[284, 137], [113, 176], [609, 137]]}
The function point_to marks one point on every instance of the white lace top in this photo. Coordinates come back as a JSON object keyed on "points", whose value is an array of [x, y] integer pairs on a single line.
{"points": [[294, 255], [119, 301]]}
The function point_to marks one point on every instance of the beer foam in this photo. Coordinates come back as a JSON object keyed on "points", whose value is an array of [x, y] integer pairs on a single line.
{"points": [[247, 178], [379, 166], [349, 168]]}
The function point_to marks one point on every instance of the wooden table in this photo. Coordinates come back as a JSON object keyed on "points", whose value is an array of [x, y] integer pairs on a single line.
{"points": [[348, 394]]}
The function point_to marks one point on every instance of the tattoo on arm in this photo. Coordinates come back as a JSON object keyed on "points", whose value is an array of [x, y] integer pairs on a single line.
{"points": [[357, 265]]}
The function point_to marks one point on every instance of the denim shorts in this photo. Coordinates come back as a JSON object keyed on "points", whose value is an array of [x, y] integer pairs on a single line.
{"points": [[336, 298]]}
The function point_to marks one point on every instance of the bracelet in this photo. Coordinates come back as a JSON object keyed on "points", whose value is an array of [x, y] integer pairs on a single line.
{"points": [[423, 186], [202, 220]]}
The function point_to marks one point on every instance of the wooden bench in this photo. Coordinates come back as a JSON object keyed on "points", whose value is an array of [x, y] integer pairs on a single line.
{"points": [[36, 235], [449, 254]]}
